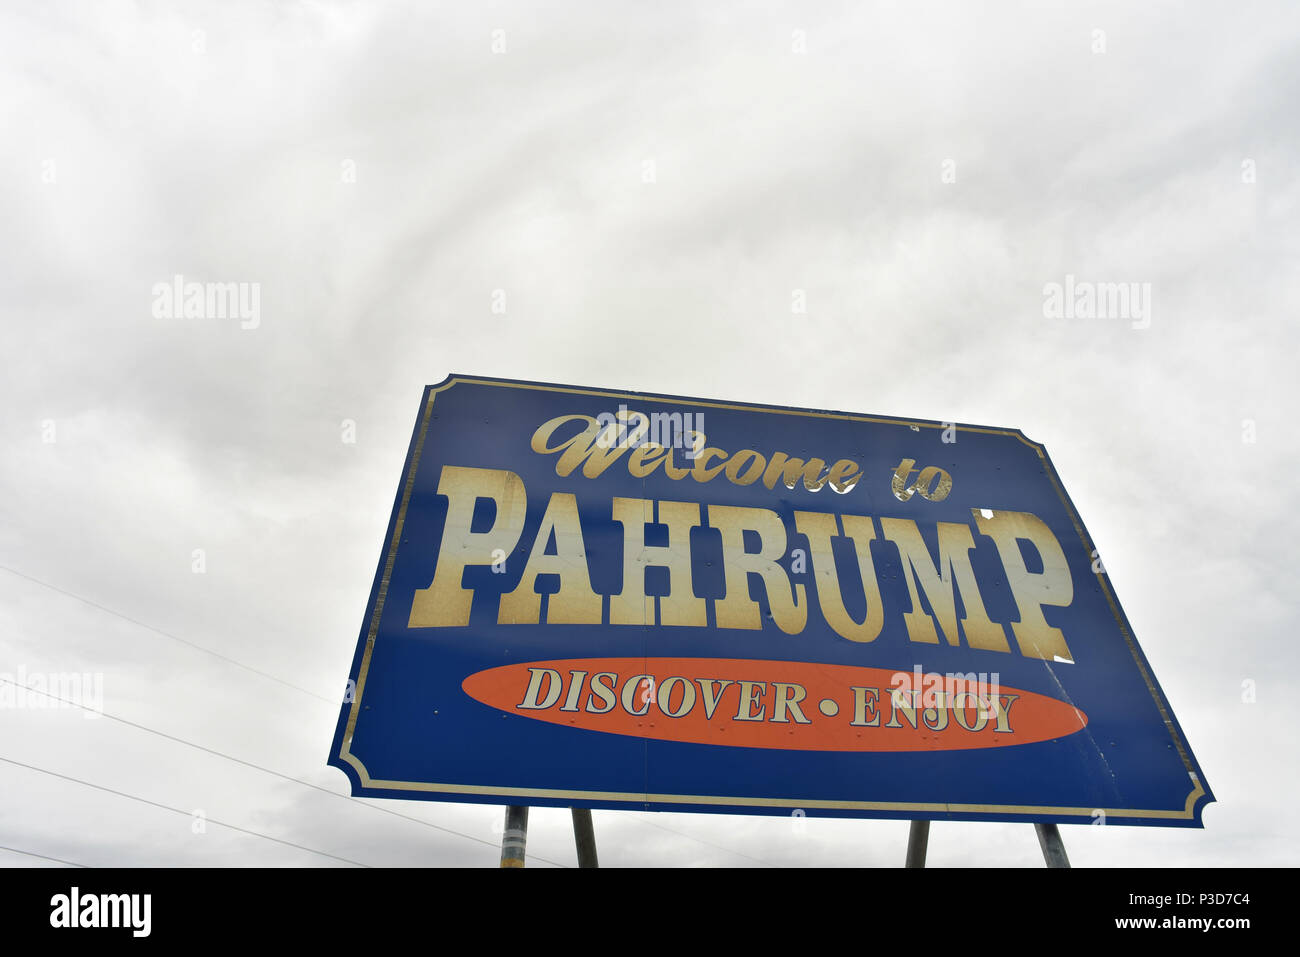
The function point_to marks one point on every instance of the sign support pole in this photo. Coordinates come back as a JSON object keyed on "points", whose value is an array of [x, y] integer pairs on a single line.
{"points": [[585, 837], [918, 840], [515, 838], [1049, 838]]}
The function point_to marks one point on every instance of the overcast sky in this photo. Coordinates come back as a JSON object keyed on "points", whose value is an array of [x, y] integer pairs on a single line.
{"points": [[649, 185]]}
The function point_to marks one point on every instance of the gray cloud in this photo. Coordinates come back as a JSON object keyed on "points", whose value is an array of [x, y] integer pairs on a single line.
{"points": [[212, 142]]}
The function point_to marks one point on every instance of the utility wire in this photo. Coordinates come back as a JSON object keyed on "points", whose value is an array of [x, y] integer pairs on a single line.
{"points": [[265, 770], [165, 634], [176, 810], [289, 684], [44, 857], [702, 841]]}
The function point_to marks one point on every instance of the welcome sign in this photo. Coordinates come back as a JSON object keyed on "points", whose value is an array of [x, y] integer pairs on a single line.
{"points": [[610, 599]]}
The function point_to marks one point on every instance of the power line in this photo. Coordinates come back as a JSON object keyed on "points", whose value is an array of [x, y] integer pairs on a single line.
{"points": [[256, 671], [159, 631], [44, 857], [265, 770], [277, 774], [176, 810], [702, 841]]}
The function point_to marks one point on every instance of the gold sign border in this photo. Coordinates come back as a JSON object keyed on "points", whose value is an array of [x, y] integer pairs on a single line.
{"points": [[1186, 813]]}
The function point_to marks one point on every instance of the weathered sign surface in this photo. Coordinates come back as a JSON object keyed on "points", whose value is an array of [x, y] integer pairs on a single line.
{"points": [[611, 599]]}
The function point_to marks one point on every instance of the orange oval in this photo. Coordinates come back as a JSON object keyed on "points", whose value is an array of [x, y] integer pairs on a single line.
{"points": [[791, 705]]}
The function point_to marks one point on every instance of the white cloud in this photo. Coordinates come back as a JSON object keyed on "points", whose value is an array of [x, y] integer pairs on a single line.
{"points": [[212, 144]]}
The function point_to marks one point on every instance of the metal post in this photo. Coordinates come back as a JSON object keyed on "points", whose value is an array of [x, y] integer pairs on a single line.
{"points": [[1049, 838], [918, 839], [585, 837], [515, 837]]}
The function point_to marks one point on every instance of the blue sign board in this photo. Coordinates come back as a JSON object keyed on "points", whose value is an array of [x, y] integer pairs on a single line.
{"points": [[609, 599]]}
